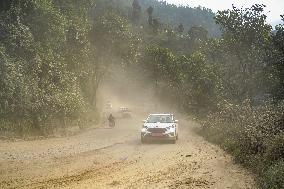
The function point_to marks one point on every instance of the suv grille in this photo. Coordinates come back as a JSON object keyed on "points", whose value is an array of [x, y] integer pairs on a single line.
{"points": [[157, 130]]}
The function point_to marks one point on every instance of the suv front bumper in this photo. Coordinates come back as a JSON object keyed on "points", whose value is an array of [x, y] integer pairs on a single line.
{"points": [[161, 136]]}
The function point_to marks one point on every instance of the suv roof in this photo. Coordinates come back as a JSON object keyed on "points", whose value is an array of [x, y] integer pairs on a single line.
{"points": [[161, 114]]}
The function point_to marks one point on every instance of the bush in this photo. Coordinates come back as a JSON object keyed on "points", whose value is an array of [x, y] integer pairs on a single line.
{"points": [[38, 84], [273, 178], [254, 135], [274, 147]]}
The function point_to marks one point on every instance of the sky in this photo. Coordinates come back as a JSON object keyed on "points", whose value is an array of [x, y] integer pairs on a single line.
{"points": [[273, 10]]}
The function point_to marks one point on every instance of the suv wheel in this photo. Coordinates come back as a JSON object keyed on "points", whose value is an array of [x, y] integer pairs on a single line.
{"points": [[142, 139]]}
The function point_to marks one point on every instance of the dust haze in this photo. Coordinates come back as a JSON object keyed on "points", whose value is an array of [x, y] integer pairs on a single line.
{"points": [[101, 157], [128, 88]]}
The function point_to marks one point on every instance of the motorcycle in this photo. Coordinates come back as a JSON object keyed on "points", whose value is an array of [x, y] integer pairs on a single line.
{"points": [[112, 124]]}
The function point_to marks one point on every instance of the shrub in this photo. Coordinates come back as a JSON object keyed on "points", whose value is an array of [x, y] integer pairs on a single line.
{"points": [[254, 135], [273, 178]]}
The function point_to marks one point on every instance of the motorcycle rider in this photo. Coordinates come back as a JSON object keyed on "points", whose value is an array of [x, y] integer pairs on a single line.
{"points": [[111, 120]]}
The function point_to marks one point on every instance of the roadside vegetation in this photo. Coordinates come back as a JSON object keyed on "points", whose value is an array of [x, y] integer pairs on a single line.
{"points": [[226, 69], [54, 55]]}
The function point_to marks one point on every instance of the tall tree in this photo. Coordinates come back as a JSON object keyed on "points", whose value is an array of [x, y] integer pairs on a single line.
{"points": [[180, 28], [33, 41], [150, 15], [278, 65], [245, 36], [198, 33], [155, 25], [136, 11], [113, 42], [5, 5]]}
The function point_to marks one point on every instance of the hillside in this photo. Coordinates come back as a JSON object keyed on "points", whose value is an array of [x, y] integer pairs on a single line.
{"points": [[173, 15]]}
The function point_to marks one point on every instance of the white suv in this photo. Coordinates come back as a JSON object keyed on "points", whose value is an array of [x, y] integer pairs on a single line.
{"points": [[161, 127]]}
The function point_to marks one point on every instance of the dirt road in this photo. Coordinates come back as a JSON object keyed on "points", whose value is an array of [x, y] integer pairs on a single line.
{"points": [[115, 158]]}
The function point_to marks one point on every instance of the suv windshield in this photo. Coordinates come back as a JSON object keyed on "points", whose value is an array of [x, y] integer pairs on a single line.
{"points": [[160, 119]]}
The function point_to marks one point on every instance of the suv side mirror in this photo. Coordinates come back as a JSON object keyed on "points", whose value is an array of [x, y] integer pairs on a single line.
{"points": [[176, 121], [143, 121]]}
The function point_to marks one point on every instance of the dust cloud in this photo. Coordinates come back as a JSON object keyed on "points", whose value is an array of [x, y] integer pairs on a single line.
{"points": [[115, 158], [131, 89]]}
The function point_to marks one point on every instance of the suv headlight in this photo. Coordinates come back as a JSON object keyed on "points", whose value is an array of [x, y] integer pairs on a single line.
{"points": [[171, 127], [144, 127]]}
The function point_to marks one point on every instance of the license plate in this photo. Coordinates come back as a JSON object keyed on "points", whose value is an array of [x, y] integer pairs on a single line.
{"points": [[156, 134]]}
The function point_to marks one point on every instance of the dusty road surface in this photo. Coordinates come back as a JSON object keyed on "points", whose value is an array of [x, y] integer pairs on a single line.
{"points": [[115, 158]]}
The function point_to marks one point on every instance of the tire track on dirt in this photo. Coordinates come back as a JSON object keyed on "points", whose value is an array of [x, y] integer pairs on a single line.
{"points": [[114, 158]]}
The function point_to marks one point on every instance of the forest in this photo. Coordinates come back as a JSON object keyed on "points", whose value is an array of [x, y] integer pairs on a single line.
{"points": [[225, 69]]}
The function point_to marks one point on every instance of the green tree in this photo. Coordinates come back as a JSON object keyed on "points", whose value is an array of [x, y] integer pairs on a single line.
{"points": [[150, 15], [278, 66], [37, 84], [180, 28], [113, 43], [136, 11], [198, 33], [245, 37]]}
